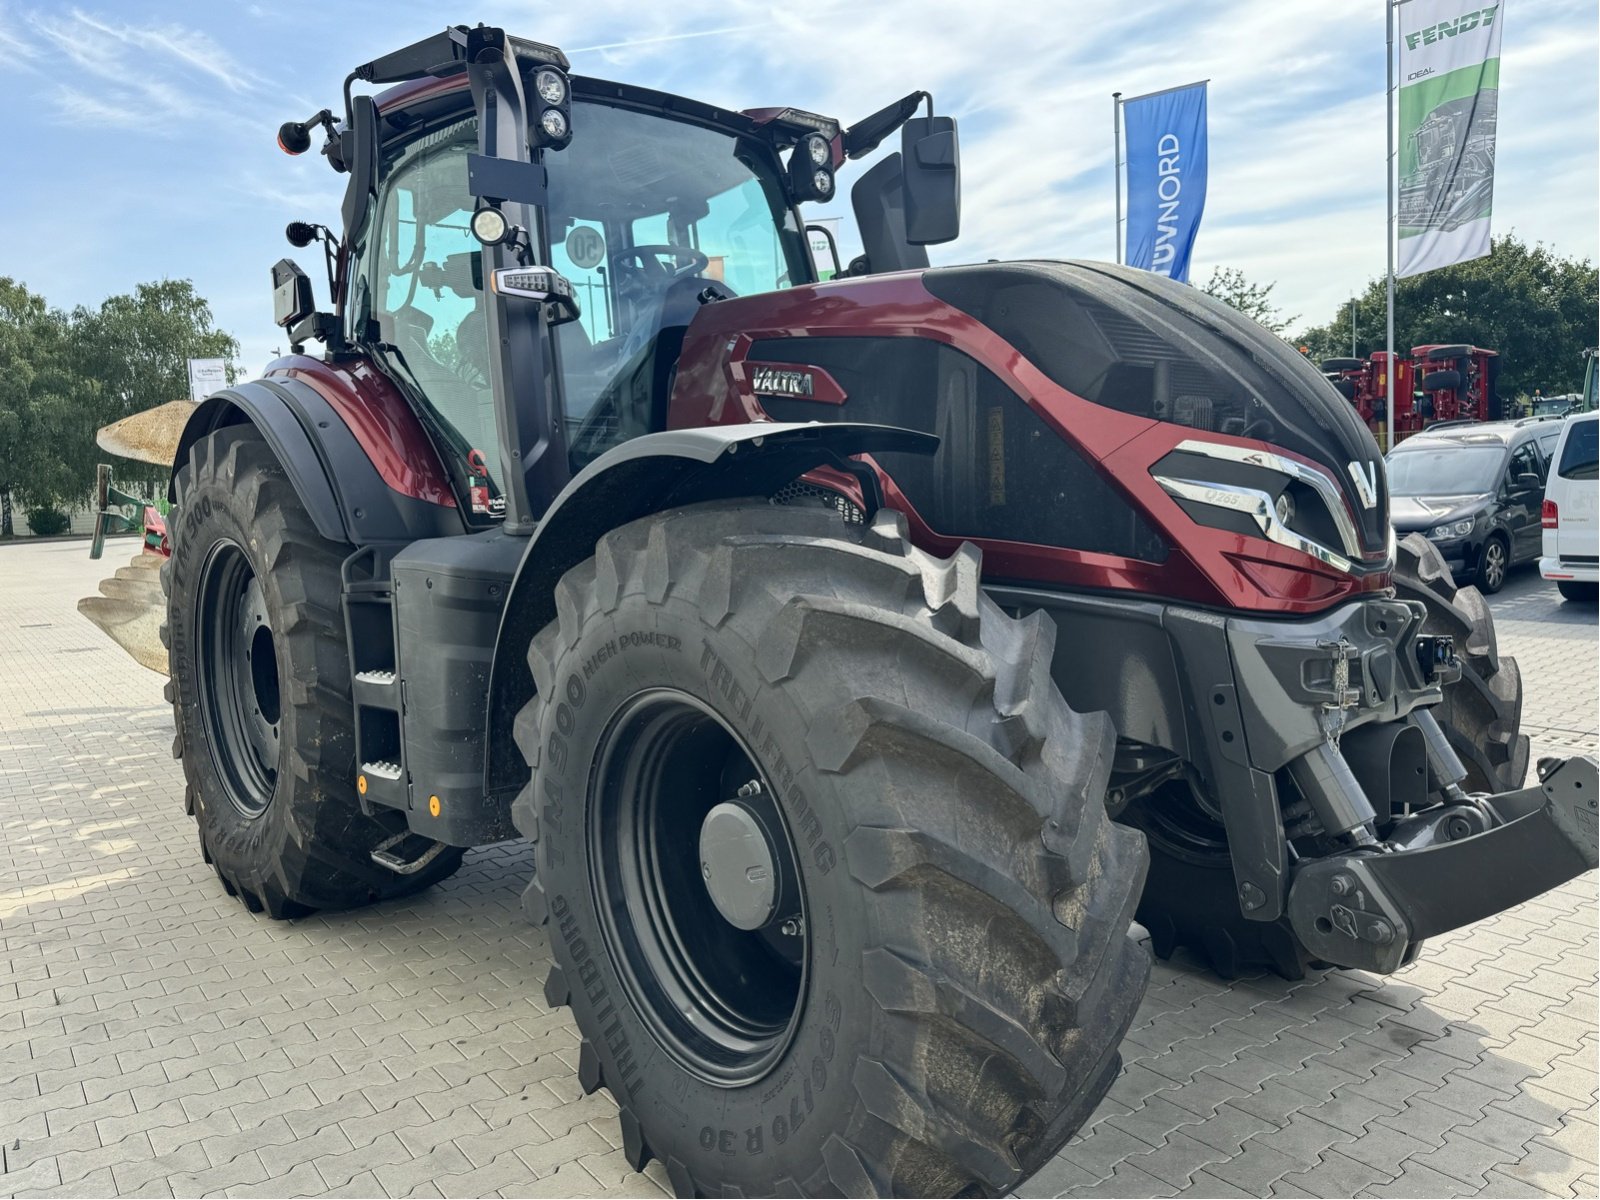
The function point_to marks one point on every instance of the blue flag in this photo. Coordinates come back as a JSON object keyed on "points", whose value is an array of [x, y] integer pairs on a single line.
{"points": [[1166, 140]]}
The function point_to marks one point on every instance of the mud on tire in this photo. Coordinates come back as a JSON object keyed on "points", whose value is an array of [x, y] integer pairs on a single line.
{"points": [[966, 972], [287, 836]]}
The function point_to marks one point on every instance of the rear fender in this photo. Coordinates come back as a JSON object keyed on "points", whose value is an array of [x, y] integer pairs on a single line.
{"points": [[336, 481], [647, 475]]}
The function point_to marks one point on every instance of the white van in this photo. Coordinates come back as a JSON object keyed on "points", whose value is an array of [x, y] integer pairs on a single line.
{"points": [[1571, 512]]}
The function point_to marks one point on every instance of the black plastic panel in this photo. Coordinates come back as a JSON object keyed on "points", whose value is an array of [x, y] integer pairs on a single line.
{"points": [[1000, 471], [449, 594]]}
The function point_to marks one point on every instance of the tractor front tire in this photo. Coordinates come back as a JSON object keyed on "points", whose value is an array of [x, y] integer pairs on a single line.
{"points": [[259, 682], [823, 858]]}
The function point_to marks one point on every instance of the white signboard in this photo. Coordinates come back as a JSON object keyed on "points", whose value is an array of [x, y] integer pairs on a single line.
{"points": [[206, 375]]}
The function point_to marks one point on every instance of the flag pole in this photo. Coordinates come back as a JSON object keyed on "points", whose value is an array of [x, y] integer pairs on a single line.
{"points": [[1116, 155], [1388, 225]]}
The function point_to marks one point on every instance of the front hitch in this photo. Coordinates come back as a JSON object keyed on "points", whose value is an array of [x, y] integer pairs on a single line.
{"points": [[1447, 867]]}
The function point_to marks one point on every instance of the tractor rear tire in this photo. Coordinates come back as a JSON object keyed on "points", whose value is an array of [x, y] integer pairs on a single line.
{"points": [[1482, 711], [1342, 364], [1190, 901], [1441, 381], [934, 1001], [260, 691], [1447, 353]]}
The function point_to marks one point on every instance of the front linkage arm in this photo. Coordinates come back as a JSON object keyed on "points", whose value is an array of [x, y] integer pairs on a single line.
{"points": [[1457, 864]]}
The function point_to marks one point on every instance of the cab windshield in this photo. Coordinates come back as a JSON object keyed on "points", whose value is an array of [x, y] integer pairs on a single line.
{"points": [[649, 217]]}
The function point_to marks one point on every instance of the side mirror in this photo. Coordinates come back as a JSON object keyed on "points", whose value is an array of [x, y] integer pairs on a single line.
{"points": [[292, 301], [931, 154], [1529, 480]]}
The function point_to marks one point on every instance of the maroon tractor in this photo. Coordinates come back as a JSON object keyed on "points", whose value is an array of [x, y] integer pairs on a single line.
{"points": [[848, 653], [1435, 383]]}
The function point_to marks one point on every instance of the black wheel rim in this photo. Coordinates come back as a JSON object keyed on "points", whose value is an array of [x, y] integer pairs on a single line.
{"points": [[240, 697], [1173, 820], [723, 1002], [1494, 565]]}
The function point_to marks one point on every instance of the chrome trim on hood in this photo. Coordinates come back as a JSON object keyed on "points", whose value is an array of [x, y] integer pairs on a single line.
{"points": [[1257, 505], [1312, 478]]}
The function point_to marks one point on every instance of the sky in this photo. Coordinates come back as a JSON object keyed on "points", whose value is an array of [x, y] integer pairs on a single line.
{"points": [[141, 134]]}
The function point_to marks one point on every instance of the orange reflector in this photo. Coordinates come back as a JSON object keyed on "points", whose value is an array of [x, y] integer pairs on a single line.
{"points": [[433, 806], [361, 784]]}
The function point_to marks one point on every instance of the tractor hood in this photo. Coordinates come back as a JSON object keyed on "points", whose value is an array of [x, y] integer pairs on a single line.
{"points": [[1138, 343]]}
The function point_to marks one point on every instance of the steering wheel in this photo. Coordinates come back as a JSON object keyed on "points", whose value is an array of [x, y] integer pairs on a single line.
{"points": [[690, 261]]}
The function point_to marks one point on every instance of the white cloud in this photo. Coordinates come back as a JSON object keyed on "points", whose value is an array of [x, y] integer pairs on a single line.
{"points": [[1297, 107]]}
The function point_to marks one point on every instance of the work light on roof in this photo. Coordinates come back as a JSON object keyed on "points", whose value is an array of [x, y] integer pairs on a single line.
{"points": [[818, 150], [554, 124]]}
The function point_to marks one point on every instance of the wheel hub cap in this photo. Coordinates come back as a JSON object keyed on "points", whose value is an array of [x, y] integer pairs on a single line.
{"points": [[740, 863]]}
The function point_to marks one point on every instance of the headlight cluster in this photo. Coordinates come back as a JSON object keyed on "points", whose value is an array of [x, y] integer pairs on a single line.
{"points": [[1455, 529], [552, 128], [811, 168]]}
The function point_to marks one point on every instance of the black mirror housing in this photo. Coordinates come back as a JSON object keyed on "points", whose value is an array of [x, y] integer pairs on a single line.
{"points": [[292, 301], [1529, 480], [931, 154]]}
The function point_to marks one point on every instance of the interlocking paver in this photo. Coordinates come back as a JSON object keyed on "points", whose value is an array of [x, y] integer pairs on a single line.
{"points": [[155, 1037]]}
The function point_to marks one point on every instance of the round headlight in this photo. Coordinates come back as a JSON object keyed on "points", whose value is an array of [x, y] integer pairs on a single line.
{"points": [[550, 85], [553, 123], [489, 226], [822, 181], [817, 147]]}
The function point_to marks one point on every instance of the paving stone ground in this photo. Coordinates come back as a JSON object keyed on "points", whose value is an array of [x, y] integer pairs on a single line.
{"points": [[156, 1039]]}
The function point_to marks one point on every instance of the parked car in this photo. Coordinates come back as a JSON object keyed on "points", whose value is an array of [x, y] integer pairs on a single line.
{"points": [[1475, 490], [1571, 513]]}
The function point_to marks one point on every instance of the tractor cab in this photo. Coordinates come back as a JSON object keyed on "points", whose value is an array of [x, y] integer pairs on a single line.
{"points": [[634, 209]]}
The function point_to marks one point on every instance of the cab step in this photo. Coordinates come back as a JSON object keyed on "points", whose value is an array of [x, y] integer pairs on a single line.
{"points": [[391, 853]]}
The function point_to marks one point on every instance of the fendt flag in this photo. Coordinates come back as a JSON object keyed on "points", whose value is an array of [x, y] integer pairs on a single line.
{"points": [[1449, 91], [1166, 139]]}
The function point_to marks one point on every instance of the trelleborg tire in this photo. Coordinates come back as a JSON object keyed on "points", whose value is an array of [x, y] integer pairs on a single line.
{"points": [[260, 691], [1482, 711], [935, 1004], [1190, 899]]}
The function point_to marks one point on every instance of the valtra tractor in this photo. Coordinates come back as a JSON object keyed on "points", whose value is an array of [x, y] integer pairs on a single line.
{"points": [[848, 653], [1435, 383]]}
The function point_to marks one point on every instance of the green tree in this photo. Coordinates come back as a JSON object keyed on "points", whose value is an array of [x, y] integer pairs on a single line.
{"points": [[46, 430], [64, 376], [1536, 308], [1254, 300], [136, 348]]}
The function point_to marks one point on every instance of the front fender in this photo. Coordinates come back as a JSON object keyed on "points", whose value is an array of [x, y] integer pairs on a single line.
{"points": [[338, 484], [647, 475]]}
